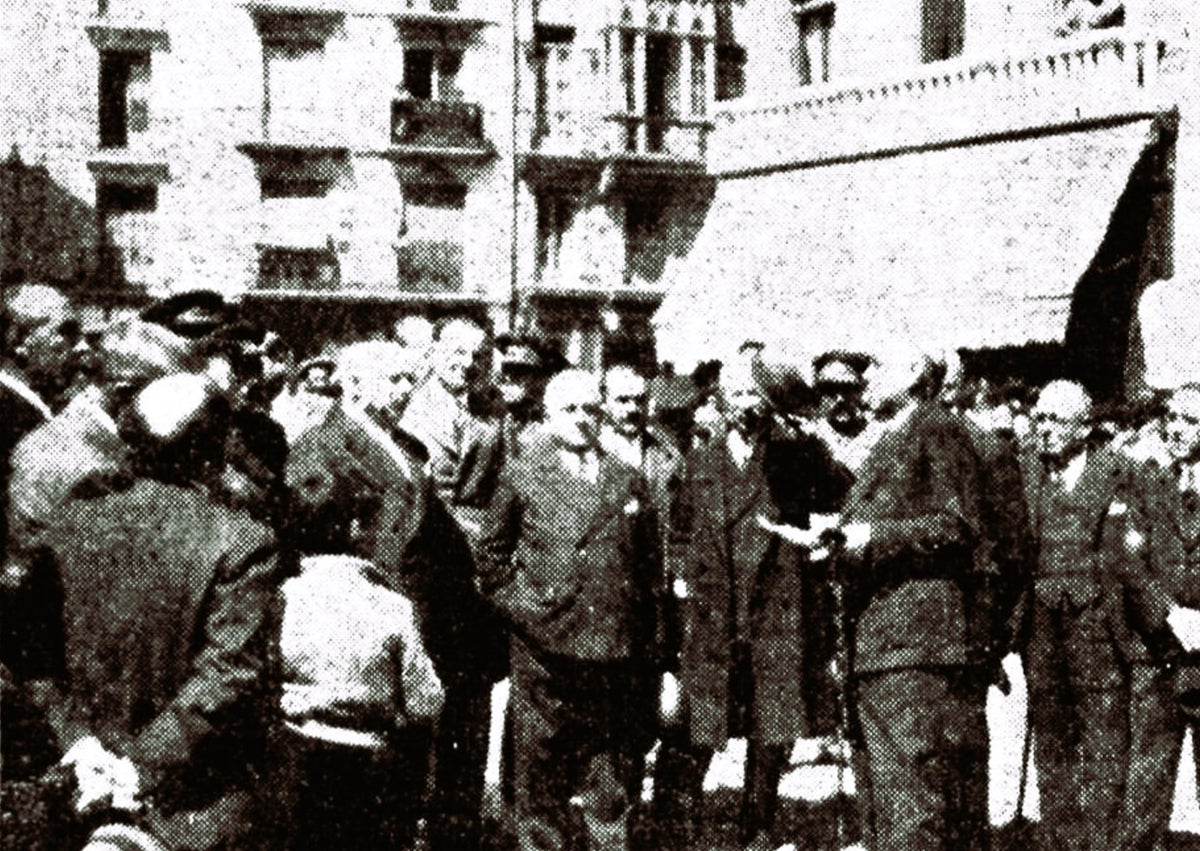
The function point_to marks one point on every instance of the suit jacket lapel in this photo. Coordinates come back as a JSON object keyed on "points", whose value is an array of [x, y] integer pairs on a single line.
{"points": [[611, 495]]}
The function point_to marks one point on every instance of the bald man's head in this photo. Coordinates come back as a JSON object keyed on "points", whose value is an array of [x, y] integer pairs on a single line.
{"points": [[572, 404], [1182, 430], [377, 373], [1061, 416]]}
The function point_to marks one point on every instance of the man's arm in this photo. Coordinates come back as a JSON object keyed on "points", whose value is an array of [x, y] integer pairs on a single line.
{"points": [[1145, 557], [498, 540], [948, 515]]}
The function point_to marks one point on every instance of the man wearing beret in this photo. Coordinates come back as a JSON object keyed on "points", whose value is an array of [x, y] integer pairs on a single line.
{"points": [[161, 700], [738, 576]]}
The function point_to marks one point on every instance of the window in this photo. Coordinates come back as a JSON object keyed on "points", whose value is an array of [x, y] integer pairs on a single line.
{"points": [[296, 102], [699, 100], [643, 225], [943, 23], [552, 54], [124, 91], [815, 21], [432, 73], [662, 87], [731, 71], [429, 256], [120, 198], [129, 231], [555, 214], [298, 268]]}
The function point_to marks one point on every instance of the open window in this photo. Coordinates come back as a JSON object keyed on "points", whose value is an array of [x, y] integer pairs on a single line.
{"points": [[943, 25], [814, 20], [124, 96]]}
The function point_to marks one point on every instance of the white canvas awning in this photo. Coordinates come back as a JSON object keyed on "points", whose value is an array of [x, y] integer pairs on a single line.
{"points": [[976, 246]]}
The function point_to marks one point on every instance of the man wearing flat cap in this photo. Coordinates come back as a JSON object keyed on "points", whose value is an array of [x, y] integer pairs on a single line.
{"points": [[738, 577]]}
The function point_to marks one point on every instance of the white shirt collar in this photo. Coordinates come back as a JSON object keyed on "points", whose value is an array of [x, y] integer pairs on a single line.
{"points": [[1074, 470]]}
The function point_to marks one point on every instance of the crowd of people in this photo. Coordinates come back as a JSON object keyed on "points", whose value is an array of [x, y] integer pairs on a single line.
{"points": [[254, 601]]}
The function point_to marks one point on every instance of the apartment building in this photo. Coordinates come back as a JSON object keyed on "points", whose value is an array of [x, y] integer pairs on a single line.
{"points": [[507, 160], [615, 171]]}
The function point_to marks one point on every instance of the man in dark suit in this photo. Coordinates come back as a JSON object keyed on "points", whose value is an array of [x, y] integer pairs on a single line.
{"points": [[440, 416], [1079, 644], [161, 702], [918, 605], [743, 498], [1162, 536], [422, 551], [568, 557]]}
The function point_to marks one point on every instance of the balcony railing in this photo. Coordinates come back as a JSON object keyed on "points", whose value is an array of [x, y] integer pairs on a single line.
{"points": [[594, 135], [437, 124], [429, 266], [1092, 78], [281, 268]]}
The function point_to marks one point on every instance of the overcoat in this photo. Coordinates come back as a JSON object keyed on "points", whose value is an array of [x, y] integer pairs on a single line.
{"points": [[717, 544], [912, 600], [418, 546], [166, 600]]}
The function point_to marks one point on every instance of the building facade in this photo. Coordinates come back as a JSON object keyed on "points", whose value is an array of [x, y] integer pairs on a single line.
{"points": [[612, 171]]}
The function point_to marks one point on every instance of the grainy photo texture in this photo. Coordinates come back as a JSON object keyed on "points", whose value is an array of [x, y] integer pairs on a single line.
{"points": [[547, 425]]}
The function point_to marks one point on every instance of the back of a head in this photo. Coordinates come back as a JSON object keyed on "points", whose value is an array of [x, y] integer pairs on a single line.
{"points": [[902, 370], [786, 380], [1065, 399], [1185, 400], [28, 306], [364, 368], [176, 427], [572, 386]]}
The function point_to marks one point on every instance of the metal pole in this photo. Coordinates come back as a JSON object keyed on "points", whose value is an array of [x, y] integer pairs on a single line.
{"points": [[515, 188]]}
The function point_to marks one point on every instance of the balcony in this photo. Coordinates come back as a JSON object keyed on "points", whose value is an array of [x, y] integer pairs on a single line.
{"points": [[1094, 78], [289, 269], [568, 145], [433, 129]]}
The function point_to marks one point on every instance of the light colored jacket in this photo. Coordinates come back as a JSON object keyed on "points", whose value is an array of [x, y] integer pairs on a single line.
{"points": [[354, 665]]}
